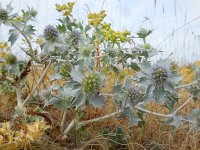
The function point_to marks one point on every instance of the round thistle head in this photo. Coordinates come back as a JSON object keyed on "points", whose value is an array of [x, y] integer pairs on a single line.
{"points": [[111, 53], [10, 59], [159, 75], [50, 33], [3, 14], [86, 51], [91, 83], [133, 93]]}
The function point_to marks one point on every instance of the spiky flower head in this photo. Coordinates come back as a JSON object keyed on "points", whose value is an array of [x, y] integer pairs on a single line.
{"points": [[159, 74], [133, 93], [74, 37], [112, 52], [157, 79], [3, 14], [85, 50], [91, 83], [50, 33], [143, 33]]}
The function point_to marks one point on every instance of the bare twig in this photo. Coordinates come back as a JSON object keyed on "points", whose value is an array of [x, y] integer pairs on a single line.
{"points": [[38, 83], [185, 85], [180, 107]]}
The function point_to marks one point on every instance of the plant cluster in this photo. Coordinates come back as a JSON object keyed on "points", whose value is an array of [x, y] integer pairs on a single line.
{"points": [[80, 54]]}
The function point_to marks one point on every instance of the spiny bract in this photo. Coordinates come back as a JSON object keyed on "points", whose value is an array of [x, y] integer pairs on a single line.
{"points": [[3, 14], [91, 83], [50, 33]]}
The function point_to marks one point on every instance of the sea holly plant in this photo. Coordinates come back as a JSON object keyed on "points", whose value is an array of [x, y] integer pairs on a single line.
{"points": [[80, 55]]}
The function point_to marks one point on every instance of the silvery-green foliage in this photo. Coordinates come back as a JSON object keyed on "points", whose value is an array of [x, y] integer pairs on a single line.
{"points": [[126, 97], [61, 97], [157, 80], [71, 47], [88, 85], [6, 14], [196, 118]]}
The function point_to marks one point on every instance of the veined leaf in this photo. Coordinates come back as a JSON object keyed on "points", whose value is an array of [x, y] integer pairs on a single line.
{"points": [[76, 76], [14, 34]]}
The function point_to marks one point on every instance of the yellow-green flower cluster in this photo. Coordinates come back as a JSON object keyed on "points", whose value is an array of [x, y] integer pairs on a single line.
{"points": [[66, 9], [95, 19], [112, 35], [4, 45]]}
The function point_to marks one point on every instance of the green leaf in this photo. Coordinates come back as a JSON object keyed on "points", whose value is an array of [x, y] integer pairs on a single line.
{"points": [[79, 100], [168, 86], [14, 34], [128, 83], [159, 94], [2, 60], [176, 121], [117, 89], [148, 93], [76, 76], [55, 76], [61, 103], [174, 78], [19, 111], [29, 30], [145, 67], [196, 72], [96, 100], [131, 115]]}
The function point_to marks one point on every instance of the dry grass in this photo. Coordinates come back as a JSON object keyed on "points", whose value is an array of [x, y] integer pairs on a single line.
{"points": [[153, 135]]}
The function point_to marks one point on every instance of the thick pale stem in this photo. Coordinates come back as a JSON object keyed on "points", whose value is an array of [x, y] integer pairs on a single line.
{"points": [[180, 107], [185, 85], [152, 112], [63, 121], [38, 83], [19, 96], [70, 126], [99, 118]]}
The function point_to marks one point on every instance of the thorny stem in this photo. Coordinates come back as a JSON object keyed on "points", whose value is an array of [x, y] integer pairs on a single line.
{"points": [[38, 83]]}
